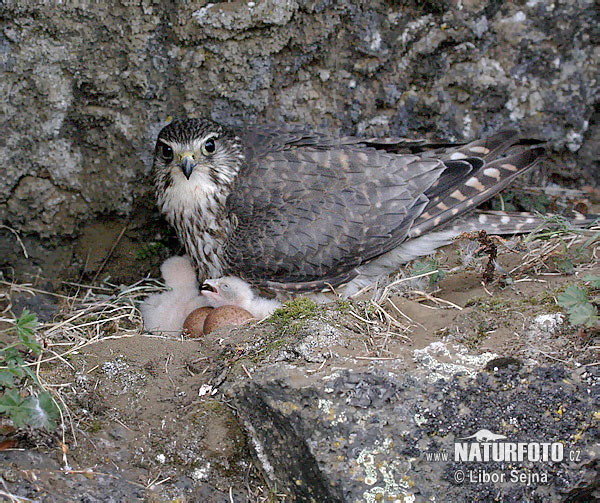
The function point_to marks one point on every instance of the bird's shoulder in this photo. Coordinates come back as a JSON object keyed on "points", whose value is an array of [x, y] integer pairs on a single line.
{"points": [[289, 165], [259, 140]]}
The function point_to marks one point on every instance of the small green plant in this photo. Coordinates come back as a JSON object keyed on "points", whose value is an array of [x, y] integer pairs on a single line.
{"points": [[148, 250], [17, 400], [423, 267], [578, 304], [343, 306], [521, 200], [594, 281]]}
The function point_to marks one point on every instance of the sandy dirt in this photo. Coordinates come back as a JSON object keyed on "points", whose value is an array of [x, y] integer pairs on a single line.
{"points": [[147, 420]]}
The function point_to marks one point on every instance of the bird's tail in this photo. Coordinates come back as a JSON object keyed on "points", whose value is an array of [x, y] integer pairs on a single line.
{"points": [[493, 222], [505, 222], [463, 189]]}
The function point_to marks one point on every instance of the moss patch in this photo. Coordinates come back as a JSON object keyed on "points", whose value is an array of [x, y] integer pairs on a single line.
{"points": [[292, 316]]}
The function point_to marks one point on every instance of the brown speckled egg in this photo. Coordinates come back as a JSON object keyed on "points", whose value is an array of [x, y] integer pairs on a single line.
{"points": [[193, 326], [225, 316]]}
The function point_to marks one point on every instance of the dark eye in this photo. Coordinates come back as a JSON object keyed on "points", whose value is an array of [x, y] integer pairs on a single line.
{"points": [[165, 152], [209, 147]]}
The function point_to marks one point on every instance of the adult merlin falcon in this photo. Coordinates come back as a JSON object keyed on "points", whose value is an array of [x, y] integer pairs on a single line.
{"points": [[293, 210]]}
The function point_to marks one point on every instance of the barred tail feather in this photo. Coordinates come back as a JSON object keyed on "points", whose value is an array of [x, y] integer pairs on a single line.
{"points": [[490, 179], [493, 222]]}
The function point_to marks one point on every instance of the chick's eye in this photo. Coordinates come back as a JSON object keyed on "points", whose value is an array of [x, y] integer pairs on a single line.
{"points": [[225, 286], [165, 152], [209, 147]]}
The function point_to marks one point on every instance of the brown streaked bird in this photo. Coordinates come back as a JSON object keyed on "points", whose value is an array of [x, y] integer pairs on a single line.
{"points": [[292, 210]]}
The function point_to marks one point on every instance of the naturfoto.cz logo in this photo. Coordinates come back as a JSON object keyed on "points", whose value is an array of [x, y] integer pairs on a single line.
{"points": [[488, 446]]}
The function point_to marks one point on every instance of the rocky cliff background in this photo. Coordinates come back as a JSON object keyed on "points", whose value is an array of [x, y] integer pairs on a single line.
{"points": [[86, 87], [320, 403]]}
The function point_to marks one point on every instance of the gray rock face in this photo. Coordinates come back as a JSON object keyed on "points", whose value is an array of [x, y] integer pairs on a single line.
{"points": [[377, 435], [84, 90]]}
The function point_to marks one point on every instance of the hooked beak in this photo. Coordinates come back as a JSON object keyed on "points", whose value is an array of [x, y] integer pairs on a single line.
{"points": [[187, 165], [210, 292], [209, 286]]}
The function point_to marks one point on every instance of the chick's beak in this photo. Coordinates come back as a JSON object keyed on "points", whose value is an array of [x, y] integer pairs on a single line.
{"points": [[209, 286], [187, 165]]}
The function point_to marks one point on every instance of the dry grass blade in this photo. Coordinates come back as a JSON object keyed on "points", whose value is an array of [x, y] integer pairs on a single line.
{"points": [[378, 327], [17, 237], [436, 300], [30, 289], [546, 244], [86, 318], [111, 251], [388, 288]]}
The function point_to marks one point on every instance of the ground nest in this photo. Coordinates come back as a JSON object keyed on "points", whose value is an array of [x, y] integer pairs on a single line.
{"points": [[84, 384]]}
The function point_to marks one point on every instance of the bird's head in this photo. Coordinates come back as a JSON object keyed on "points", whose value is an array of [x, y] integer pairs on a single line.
{"points": [[227, 291], [195, 156]]}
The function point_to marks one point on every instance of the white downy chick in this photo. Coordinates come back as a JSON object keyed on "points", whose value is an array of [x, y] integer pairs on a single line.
{"points": [[166, 311], [233, 291], [179, 273]]}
